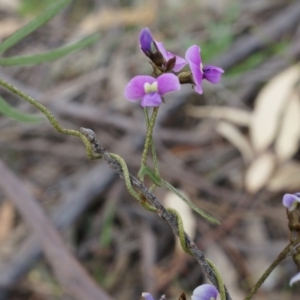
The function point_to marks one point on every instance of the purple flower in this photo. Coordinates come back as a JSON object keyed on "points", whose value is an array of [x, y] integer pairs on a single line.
{"points": [[291, 201], [147, 296], [179, 63], [210, 73], [293, 279], [147, 43], [157, 52], [205, 292], [150, 89]]}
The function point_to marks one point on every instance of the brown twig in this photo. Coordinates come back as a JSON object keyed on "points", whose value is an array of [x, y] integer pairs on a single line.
{"points": [[161, 210]]}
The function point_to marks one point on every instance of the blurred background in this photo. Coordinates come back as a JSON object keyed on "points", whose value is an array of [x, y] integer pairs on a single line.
{"points": [[234, 150]]}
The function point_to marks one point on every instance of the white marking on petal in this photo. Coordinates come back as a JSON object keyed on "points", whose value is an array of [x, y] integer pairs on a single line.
{"points": [[150, 87], [201, 69]]}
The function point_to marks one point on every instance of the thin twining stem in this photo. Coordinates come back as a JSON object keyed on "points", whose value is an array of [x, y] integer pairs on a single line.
{"points": [[51, 118], [148, 141], [220, 280], [282, 255], [164, 213], [154, 156]]}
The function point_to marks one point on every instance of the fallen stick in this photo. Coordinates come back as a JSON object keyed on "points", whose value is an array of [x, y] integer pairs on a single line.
{"points": [[69, 273]]}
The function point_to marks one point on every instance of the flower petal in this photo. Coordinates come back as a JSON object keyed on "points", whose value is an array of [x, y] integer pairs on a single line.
{"points": [[150, 100], [180, 62], [290, 201], [167, 83], [147, 296], [162, 49], [193, 57], [295, 279], [135, 87], [146, 41], [205, 292], [212, 74]]}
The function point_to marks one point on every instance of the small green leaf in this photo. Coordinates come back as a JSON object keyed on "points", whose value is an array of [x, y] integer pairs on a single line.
{"points": [[33, 25], [49, 55], [151, 174], [205, 215], [9, 111]]}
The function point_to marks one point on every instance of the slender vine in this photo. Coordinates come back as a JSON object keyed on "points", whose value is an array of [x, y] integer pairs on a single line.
{"points": [[51, 118], [148, 141], [282, 255]]}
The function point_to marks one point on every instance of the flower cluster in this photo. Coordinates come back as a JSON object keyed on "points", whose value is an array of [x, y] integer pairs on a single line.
{"points": [[151, 89], [202, 292]]}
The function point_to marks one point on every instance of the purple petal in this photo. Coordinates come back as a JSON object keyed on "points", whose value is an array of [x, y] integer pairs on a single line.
{"points": [[147, 296], [162, 50], [205, 292], [167, 83], [212, 74], [193, 57], [180, 62], [295, 279], [146, 41], [134, 89], [151, 99], [290, 201]]}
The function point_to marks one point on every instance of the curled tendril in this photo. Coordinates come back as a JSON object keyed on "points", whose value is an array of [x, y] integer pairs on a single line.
{"points": [[219, 278], [181, 233], [51, 118]]}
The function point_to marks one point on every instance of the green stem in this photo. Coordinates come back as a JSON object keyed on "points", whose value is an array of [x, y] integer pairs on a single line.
{"points": [[181, 232], [129, 187], [283, 254], [219, 278], [148, 141], [154, 156], [51, 118]]}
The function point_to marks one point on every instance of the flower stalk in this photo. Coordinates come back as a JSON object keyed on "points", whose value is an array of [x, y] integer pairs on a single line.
{"points": [[149, 140]]}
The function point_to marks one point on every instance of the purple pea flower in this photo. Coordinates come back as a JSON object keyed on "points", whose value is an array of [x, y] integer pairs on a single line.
{"points": [[205, 292], [210, 73], [147, 296], [290, 201], [151, 89], [147, 43], [202, 292], [293, 279], [157, 52], [179, 63]]}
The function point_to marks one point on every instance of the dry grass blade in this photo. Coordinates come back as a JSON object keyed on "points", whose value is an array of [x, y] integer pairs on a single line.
{"points": [[286, 178], [269, 107], [237, 139], [287, 142], [107, 18], [233, 115], [259, 172], [68, 271]]}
